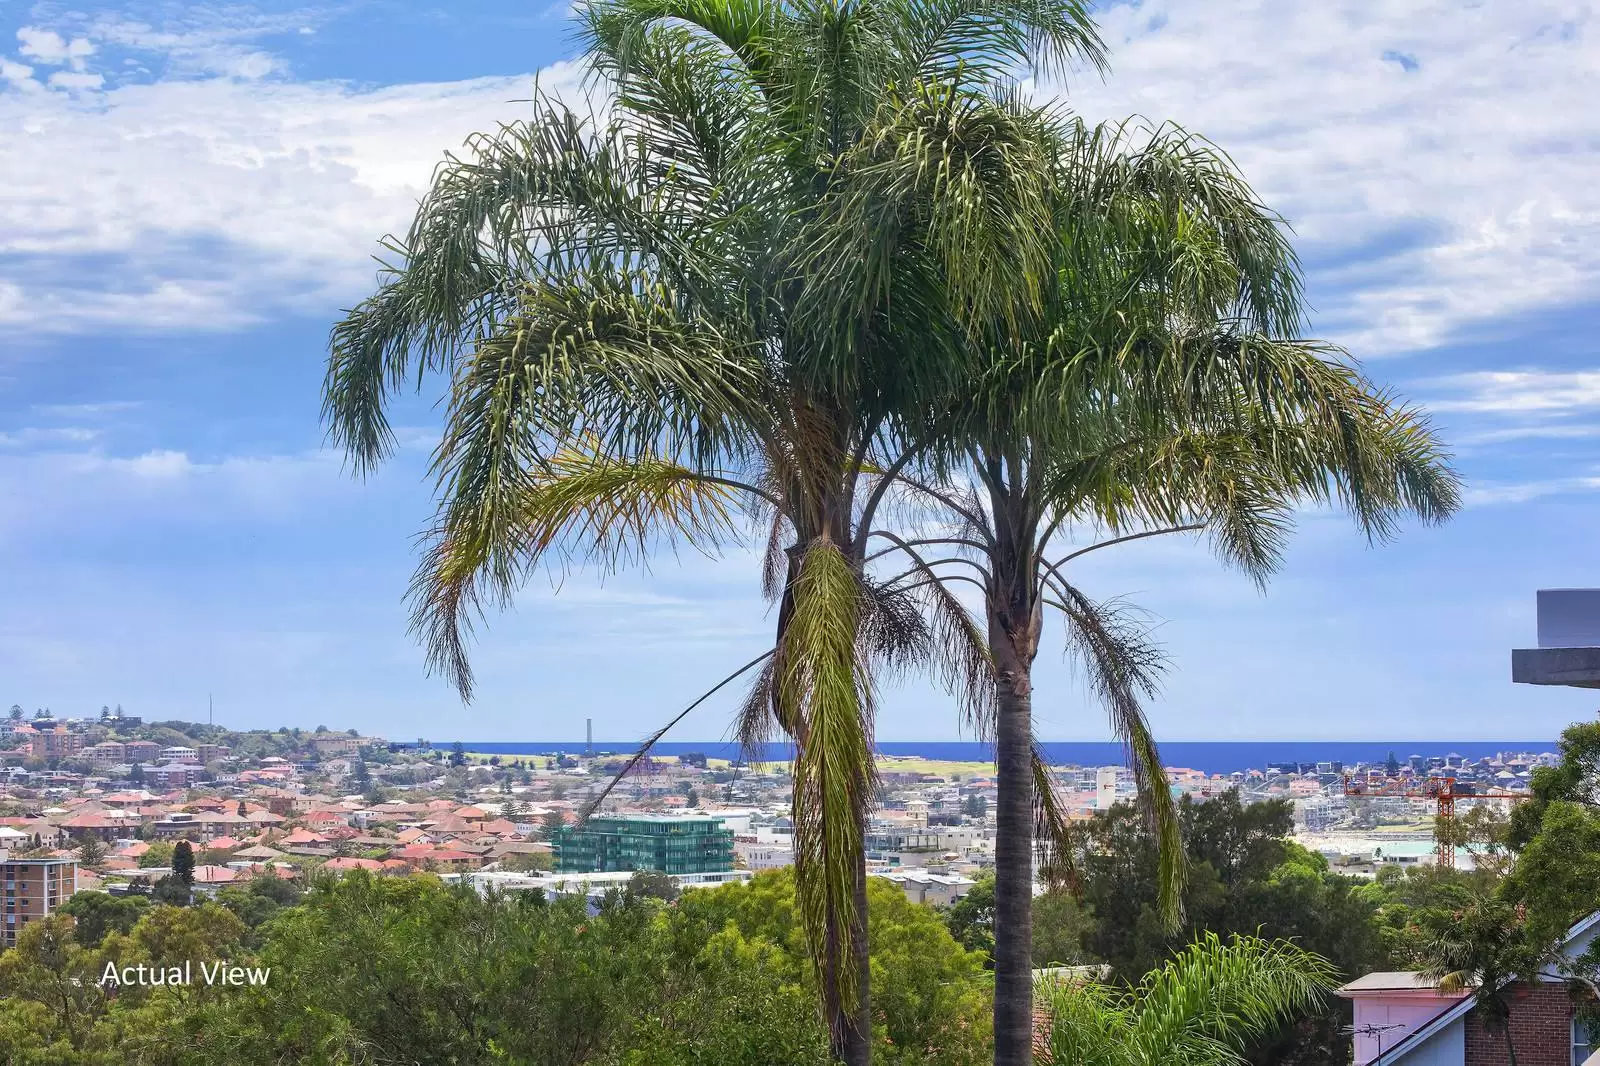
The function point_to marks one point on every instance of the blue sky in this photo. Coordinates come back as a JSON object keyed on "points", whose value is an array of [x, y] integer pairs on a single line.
{"points": [[193, 191]]}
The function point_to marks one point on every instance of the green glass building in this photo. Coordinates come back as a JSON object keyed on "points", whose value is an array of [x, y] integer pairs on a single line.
{"points": [[622, 842]]}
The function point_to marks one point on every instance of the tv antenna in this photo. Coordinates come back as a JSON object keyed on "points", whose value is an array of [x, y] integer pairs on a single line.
{"points": [[1375, 1030]]}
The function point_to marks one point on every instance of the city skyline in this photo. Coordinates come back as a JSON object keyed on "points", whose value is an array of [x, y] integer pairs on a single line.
{"points": [[200, 189]]}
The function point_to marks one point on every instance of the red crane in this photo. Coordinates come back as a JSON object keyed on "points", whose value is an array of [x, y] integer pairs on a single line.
{"points": [[1444, 793]]}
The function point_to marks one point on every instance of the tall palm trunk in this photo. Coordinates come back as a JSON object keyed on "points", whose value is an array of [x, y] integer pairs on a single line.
{"points": [[849, 1021], [850, 1024], [1014, 623]]}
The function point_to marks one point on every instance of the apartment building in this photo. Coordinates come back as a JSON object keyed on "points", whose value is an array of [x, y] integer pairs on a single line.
{"points": [[141, 750], [106, 753], [34, 889], [335, 744], [57, 743], [618, 842], [174, 775]]}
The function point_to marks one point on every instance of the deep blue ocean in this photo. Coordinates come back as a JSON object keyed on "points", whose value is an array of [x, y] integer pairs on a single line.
{"points": [[1213, 757]]}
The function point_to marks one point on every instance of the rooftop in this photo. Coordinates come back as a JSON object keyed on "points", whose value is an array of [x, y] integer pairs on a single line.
{"points": [[1391, 981]]}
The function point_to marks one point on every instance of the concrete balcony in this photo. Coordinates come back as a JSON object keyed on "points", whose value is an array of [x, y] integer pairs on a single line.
{"points": [[1569, 641]]}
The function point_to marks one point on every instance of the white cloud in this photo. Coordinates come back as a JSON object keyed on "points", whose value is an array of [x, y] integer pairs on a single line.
{"points": [[90, 410], [1520, 392], [162, 487], [75, 80], [201, 42], [1438, 198], [1512, 405], [48, 46], [36, 435], [214, 203], [19, 75], [1435, 157], [1522, 492]]}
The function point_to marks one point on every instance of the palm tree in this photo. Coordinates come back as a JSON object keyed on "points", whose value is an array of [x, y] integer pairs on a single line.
{"points": [[1203, 1008], [637, 346], [1485, 947], [1162, 391]]}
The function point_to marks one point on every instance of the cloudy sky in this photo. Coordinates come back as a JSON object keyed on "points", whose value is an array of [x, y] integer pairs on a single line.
{"points": [[192, 192]]}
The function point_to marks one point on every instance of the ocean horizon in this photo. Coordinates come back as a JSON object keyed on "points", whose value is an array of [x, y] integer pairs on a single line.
{"points": [[1212, 757]]}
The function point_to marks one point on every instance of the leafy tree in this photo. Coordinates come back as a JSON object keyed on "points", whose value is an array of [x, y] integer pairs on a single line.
{"points": [[16, 712], [183, 862], [171, 892], [976, 806], [1204, 1006], [971, 918], [1244, 877], [1060, 925], [653, 884], [405, 969], [1484, 947], [929, 1003], [171, 936], [96, 914], [158, 854], [58, 978], [692, 799], [91, 851]]}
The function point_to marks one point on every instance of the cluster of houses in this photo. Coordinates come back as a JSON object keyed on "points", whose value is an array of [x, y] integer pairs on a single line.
{"points": [[271, 829]]}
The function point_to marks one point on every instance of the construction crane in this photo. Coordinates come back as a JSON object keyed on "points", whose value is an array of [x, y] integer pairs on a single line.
{"points": [[1442, 790]]}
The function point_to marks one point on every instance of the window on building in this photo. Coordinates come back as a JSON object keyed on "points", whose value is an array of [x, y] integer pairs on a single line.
{"points": [[1585, 1040]]}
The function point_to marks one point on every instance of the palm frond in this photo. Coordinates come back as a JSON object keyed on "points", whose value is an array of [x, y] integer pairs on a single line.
{"points": [[655, 738], [1227, 994], [754, 725], [821, 684], [1053, 836], [1205, 1006], [1123, 668], [505, 515]]}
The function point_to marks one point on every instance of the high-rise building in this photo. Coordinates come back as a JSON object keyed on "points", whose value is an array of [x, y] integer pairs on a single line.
{"points": [[34, 889], [1105, 788], [669, 843]]}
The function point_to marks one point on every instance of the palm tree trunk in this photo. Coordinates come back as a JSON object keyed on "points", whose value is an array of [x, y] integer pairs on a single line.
{"points": [[849, 1023], [1013, 880]]}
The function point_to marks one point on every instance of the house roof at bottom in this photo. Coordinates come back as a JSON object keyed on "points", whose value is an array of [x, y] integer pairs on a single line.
{"points": [[1391, 981], [1459, 1010]]}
